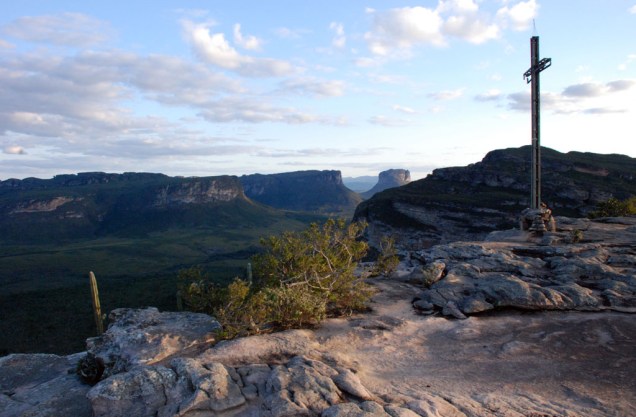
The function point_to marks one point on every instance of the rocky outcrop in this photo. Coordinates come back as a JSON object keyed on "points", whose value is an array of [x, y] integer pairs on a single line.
{"points": [[467, 203], [147, 336], [515, 270], [316, 191], [389, 179]]}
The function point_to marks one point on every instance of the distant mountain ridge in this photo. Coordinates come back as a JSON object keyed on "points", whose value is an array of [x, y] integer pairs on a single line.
{"points": [[92, 204], [466, 203], [389, 179]]}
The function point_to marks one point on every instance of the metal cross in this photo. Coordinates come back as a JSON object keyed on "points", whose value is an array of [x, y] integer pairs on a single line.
{"points": [[532, 75]]}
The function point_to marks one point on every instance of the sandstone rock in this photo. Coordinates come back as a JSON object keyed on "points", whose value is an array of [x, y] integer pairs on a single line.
{"points": [[484, 276], [299, 389], [429, 274], [349, 383], [395, 411], [146, 336], [274, 348], [378, 323], [432, 406], [366, 409], [214, 388], [40, 385], [451, 309], [141, 392], [424, 306]]}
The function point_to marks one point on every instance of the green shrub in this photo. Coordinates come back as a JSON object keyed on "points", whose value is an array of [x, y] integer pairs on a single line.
{"points": [[614, 208], [300, 278], [576, 236], [388, 260]]}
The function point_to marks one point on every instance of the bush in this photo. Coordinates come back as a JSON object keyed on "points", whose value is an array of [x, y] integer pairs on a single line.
{"points": [[388, 260], [300, 278], [614, 208]]}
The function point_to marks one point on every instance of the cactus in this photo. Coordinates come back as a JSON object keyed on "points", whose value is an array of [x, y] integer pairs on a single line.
{"points": [[179, 301], [97, 309], [249, 273]]}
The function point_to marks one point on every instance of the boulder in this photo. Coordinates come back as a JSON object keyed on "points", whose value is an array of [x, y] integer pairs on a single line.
{"points": [[147, 336], [141, 392], [302, 387]]}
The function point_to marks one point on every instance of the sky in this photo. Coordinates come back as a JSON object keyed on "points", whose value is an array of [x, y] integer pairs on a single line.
{"points": [[201, 88]]}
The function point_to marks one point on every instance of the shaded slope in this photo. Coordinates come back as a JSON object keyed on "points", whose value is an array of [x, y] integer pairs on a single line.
{"points": [[314, 191], [468, 202]]}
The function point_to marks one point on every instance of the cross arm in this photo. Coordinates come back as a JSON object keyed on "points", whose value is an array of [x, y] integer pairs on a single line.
{"points": [[535, 69]]}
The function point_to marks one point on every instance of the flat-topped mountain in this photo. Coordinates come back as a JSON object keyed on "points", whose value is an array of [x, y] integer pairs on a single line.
{"points": [[315, 191], [469, 202], [95, 204], [389, 179]]}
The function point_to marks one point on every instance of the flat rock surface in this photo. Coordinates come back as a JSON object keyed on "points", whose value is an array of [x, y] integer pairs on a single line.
{"points": [[521, 364]]}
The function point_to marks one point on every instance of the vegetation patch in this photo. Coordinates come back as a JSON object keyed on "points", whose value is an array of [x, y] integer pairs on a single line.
{"points": [[299, 279]]}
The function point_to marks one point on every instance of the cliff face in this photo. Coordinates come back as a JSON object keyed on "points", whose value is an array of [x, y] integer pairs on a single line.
{"points": [[389, 179], [316, 191], [465, 203], [89, 204]]}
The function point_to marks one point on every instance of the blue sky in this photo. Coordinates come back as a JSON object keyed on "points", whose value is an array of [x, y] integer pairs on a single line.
{"points": [[240, 87]]}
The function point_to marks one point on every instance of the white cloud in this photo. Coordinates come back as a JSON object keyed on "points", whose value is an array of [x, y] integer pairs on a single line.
{"points": [[14, 150], [388, 121], [632, 9], [447, 94], [216, 50], [518, 17], [69, 29], [313, 86], [241, 109], [630, 58], [339, 40], [586, 98], [403, 109], [471, 29], [6, 45], [490, 95], [403, 28], [250, 42], [458, 6], [394, 32]]}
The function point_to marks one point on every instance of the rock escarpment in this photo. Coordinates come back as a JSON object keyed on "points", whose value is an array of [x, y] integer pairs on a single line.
{"points": [[389, 179], [92, 204], [315, 191], [467, 203]]}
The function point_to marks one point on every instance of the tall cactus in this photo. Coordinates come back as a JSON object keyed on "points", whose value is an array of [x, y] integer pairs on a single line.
{"points": [[249, 273], [97, 309]]}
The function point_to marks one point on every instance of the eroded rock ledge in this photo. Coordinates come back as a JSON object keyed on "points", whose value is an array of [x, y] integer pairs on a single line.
{"points": [[514, 270]]}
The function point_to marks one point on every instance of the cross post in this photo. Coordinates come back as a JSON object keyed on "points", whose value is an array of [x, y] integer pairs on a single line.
{"points": [[532, 76]]}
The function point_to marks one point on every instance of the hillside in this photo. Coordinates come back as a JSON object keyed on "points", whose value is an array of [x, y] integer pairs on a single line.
{"points": [[134, 230], [464, 203], [313, 191]]}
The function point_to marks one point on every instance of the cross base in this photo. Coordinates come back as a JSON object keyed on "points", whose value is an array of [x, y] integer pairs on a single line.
{"points": [[537, 221]]}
